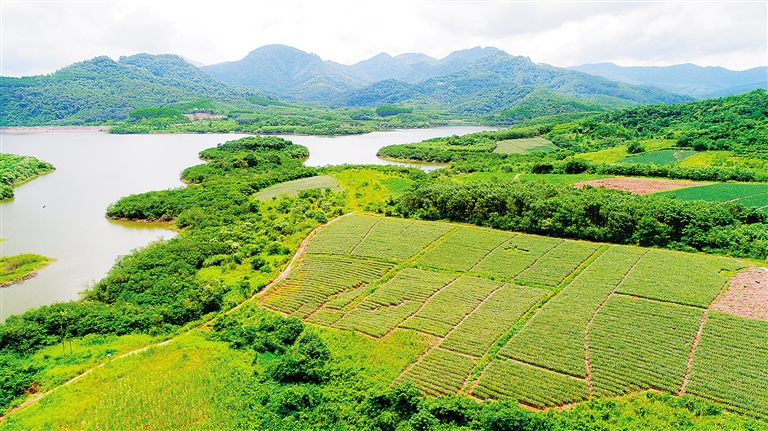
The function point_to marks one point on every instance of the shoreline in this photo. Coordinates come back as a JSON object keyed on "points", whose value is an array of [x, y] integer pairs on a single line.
{"points": [[44, 129]]}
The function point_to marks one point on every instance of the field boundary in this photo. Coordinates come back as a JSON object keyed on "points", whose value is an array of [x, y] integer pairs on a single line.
{"points": [[491, 251], [362, 240]]}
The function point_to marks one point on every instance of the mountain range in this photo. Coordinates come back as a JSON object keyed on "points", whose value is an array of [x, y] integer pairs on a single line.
{"points": [[480, 81]]}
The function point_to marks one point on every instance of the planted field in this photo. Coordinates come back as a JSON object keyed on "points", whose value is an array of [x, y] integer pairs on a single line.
{"points": [[446, 309], [661, 157], [342, 236], [495, 316], [292, 188], [439, 372], [524, 145], [505, 379], [394, 301], [751, 195], [682, 278], [637, 344], [561, 261], [554, 337], [320, 277], [514, 256], [398, 239], [730, 365], [463, 249]]}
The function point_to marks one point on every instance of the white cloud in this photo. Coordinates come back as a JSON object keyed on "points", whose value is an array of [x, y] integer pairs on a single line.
{"points": [[42, 37]]}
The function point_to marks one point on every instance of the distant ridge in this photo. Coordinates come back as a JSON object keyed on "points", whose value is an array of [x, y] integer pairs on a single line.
{"points": [[688, 79]]}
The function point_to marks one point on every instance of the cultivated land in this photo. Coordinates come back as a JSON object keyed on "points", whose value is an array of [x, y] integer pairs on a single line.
{"points": [[543, 321], [524, 145], [749, 195], [292, 188]]}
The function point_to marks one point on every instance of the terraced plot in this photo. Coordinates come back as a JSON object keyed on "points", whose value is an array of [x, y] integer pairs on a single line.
{"points": [[638, 344], [495, 316], [342, 236], [514, 256], [505, 379], [318, 278], [398, 239], [394, 301], [730, 365], [446, 309], [554, 337], [558, 263], [463, 249], [683, 278], [439, 372]]}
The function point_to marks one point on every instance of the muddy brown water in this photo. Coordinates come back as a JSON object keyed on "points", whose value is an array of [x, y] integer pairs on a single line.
{"points": [[61, 214]]}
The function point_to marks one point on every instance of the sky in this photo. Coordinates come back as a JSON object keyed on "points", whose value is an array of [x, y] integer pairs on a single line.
{"points": [[39, 37]]}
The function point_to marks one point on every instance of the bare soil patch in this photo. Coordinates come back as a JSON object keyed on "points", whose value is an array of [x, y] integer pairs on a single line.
{"points": [[747, 295], [202, 116], [639, 185]]}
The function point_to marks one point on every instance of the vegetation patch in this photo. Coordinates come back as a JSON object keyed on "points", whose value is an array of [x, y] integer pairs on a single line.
{"points": [[292, 188], [524, 145], [750, 195], [661, 157], [16, 269], [439, 372], [15, 169]]}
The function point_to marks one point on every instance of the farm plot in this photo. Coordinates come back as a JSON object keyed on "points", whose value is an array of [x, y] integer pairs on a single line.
{"points": [[514, 256], [463, 249], [439, 372], [554, 337], [505, 379], [561, 261], [398, 239], [495, 316], [661, 157], [446, 309], [292, 188], [341, 236], [721, 192], [683, 278], [318, 278], [394, 301], [637, 344], [730, 364], [325, 317], [524, 145]]}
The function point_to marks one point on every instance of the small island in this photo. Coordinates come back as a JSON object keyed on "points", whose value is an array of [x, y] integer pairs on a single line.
{"points": [[17, 269], [15, 170]]}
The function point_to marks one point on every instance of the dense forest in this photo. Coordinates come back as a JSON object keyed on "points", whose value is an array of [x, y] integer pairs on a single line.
{"points": [[16, 169]]}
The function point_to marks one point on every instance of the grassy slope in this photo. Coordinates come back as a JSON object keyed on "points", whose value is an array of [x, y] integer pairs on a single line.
{"points": [[14, 269]]}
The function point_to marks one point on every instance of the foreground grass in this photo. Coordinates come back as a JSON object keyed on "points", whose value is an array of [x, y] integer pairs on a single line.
{"points": [[15, 269]]}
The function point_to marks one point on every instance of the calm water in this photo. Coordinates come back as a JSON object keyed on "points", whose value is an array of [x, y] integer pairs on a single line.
{"points": [[61, 214]]}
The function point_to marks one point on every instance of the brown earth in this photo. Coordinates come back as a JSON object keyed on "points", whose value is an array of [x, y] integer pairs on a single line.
{"points": [[747, 295], [638, 185]]}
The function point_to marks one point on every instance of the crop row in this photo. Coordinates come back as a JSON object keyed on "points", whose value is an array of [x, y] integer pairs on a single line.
{"points": [[637, 344], [514, 256], [320, 277], [398, 239], [554, 337], [446, 309], [505, 379], [720, 192], [394, 301], [342, 236], [439, 372], [683, 278], [495, 316], [730, 365], [463, 249], [561, 261], [325, 317]]}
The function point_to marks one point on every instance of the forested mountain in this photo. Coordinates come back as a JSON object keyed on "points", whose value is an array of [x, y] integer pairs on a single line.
{"points": [[102, 89], [688, 79], [287, 73], [412, 67]]}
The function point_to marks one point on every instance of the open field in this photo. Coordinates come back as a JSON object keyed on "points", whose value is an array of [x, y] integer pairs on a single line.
{"points": [[292, 188], [540, 320], [638, 185], [661, 157], [750, 195], [524, 145]]}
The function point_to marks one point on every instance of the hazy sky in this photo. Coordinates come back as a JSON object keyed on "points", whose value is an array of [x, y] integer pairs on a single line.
{"points": [[40, 37]]}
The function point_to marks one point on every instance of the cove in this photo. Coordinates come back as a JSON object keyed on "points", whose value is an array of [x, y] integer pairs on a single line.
{"points": [[61, 214]]}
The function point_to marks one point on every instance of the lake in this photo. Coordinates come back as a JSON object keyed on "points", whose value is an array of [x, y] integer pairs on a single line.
{"points": [[61, 214]]}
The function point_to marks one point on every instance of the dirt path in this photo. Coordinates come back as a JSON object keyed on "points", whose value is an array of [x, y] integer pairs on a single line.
{"points": [[299, 252]]}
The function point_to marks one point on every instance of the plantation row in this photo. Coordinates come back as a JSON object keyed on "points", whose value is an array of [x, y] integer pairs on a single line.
{"points": [[631, 313]]}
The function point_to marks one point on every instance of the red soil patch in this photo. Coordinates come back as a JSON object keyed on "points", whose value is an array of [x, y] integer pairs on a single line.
{"points": [[638, 185], [747, 295]]}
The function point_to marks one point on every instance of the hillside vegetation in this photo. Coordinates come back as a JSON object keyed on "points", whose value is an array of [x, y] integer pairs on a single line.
{"points": [[15, 169]]}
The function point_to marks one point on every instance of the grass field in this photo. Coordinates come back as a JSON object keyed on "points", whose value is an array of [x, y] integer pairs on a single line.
{"points": [[540, 320], [661, 157], [750, 195], [14, 269], [525, 145], [292, 188], [614, 154]]}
